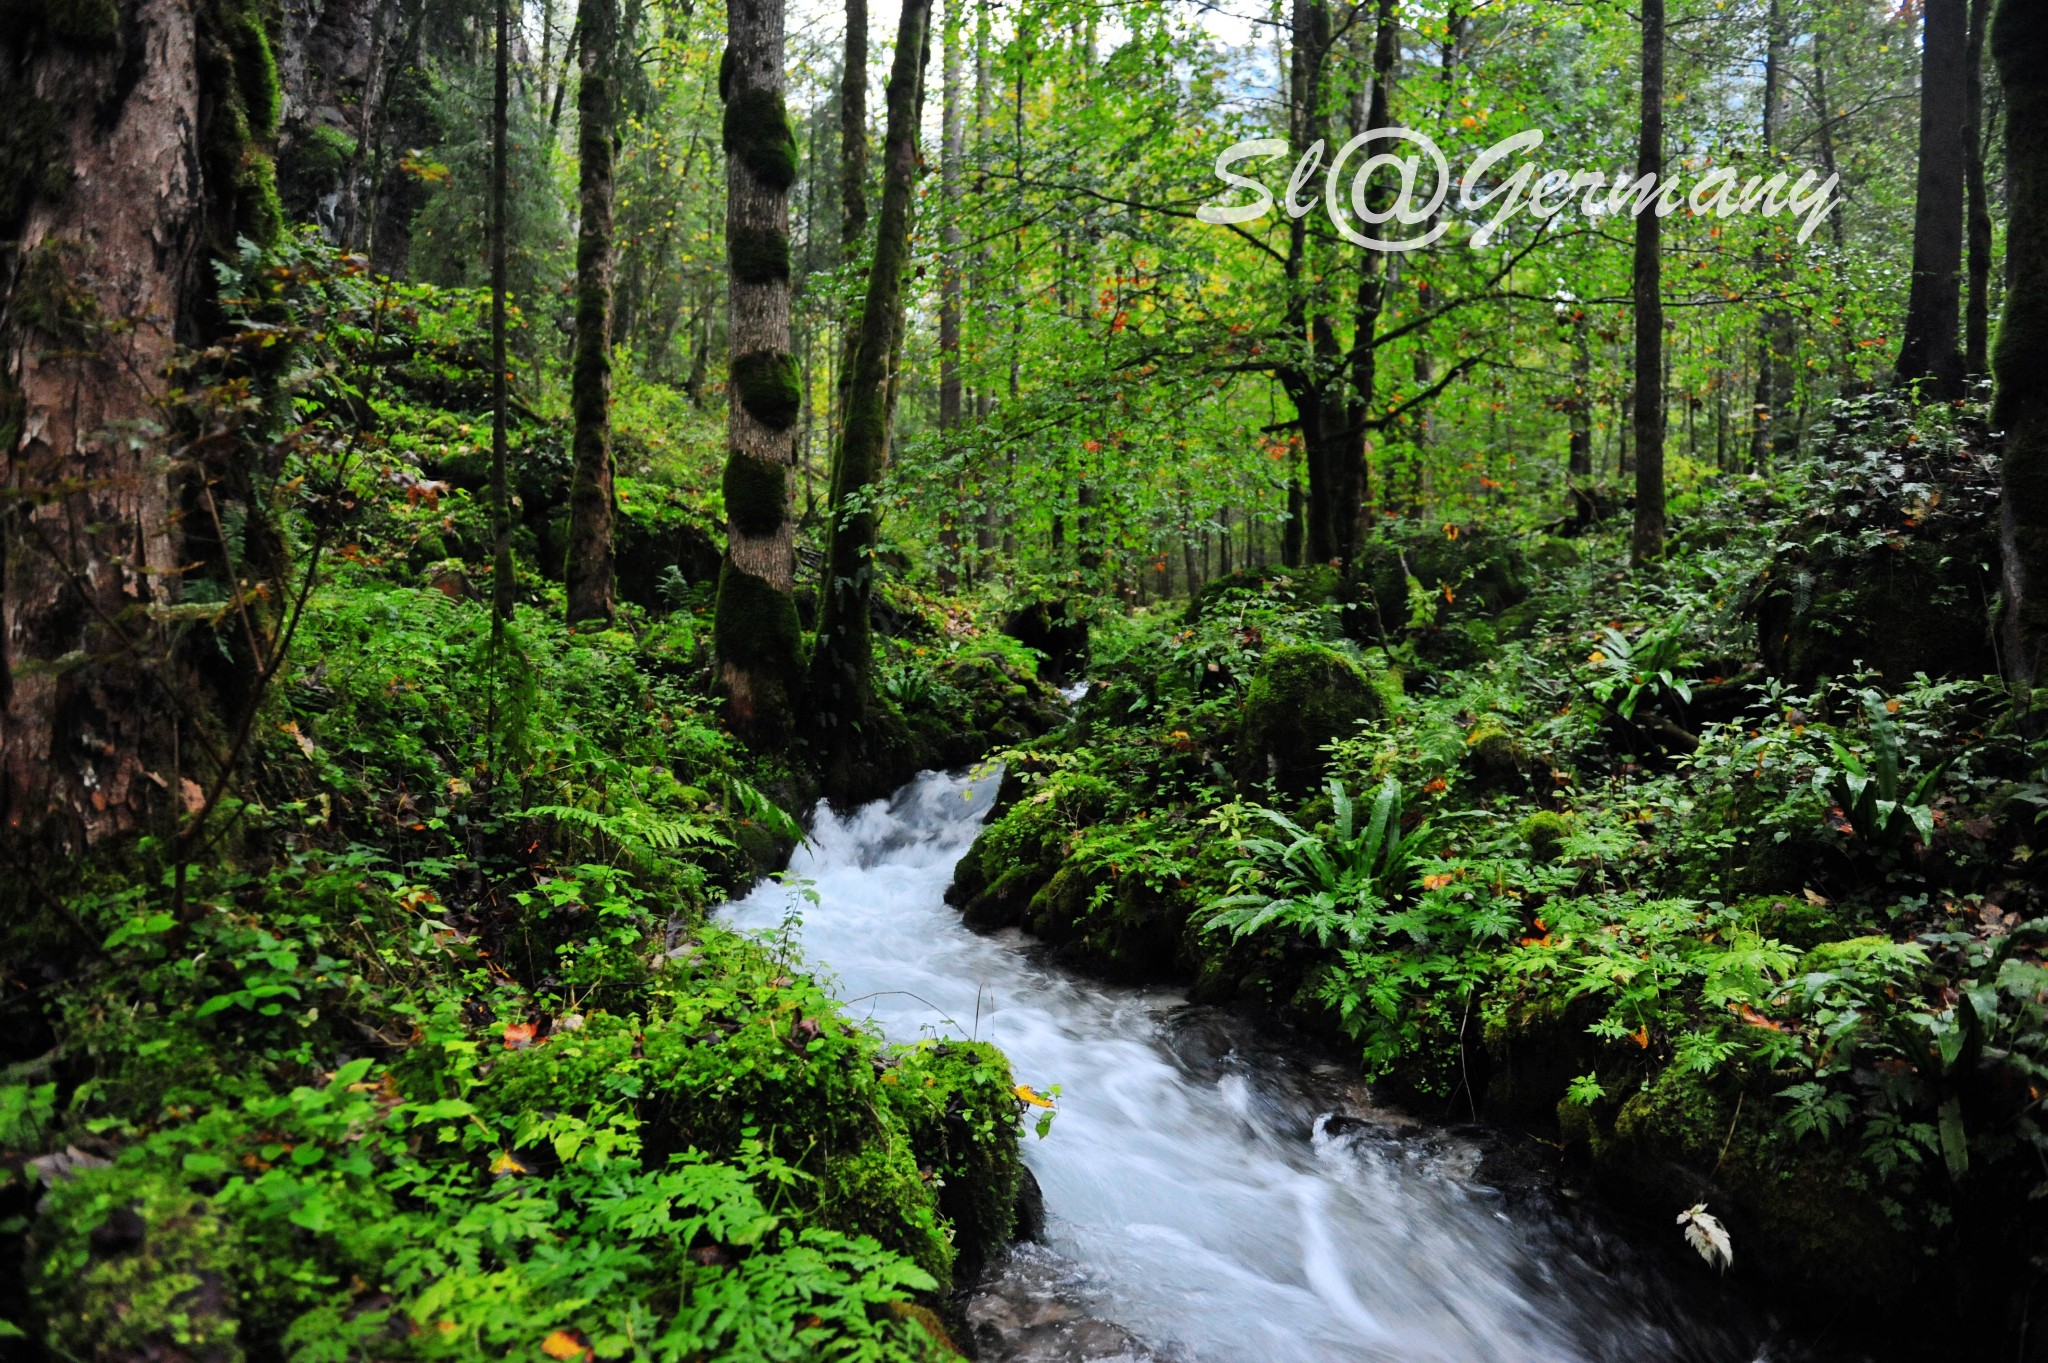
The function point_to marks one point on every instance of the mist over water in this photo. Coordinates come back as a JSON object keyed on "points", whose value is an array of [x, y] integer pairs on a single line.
{"points": [[1207, 1198]]}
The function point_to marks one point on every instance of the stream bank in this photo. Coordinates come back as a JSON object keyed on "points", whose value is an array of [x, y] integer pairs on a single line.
{"points": [[1209, 1195]]}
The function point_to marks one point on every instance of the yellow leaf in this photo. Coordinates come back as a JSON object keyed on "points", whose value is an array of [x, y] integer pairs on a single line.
{"points": [[562, 1344], [507, 1163], [1025, 1093], [1596, 657]]}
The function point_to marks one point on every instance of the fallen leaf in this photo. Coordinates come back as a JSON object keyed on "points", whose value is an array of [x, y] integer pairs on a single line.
{"points": [[1756, 1019], [1026, 1093], [1705, 1233], [194, 797], [508, 1163], [1641, 1036], [518, 1035], [565, 1344], [305, 743]]}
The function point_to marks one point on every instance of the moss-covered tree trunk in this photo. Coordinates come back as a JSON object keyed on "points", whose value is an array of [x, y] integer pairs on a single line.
{"points": [[756, 637], [2019, 44], [844, 656], [1647, 541], [135, 140], [588, 573], [1931, 354]]}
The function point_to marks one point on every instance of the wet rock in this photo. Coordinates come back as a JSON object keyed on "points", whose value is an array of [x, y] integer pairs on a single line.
{"points": [[1033, 1308]]}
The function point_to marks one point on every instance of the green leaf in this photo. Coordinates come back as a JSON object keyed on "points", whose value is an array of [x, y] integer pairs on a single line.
{"points": [[1955, 1145]]}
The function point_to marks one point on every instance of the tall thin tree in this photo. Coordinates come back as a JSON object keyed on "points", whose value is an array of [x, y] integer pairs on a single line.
{"points": [[844, 657], [952, 137], [1931, 354], [756, 637], [503, 588], [588, 572], [1977, 202], [2019, 44], [1647, 543]]}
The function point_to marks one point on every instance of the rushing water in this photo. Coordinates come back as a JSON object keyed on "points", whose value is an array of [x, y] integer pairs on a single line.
{"points": [[1199, 1190]]}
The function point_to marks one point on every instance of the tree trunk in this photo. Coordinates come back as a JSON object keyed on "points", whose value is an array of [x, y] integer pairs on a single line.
{"points": [[1647, 543], [952, 148], [502, 585], [843, 662], [986, 523], [1772, 432], [2019, 44], [133, 158], [1977, 300], [1930, 354], [1580, 464], [853, 181], [588, 573], [756, 637]]}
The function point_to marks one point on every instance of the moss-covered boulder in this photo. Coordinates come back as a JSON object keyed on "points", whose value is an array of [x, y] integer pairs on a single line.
{"points": [[915, 1146], [1302, 696], [1495, 755], [1799, 1214], [1022, 848], [1469, 571]]}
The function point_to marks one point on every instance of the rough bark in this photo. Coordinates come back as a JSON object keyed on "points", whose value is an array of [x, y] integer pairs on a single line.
{"points": [[844, 658], [588, 572], [1977, 202], [135, 150], [1647, 542], [2019, 44], [1931, 354], [756, 637]]}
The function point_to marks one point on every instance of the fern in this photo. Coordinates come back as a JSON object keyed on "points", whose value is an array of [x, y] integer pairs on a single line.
{"points": [[636, 829]]}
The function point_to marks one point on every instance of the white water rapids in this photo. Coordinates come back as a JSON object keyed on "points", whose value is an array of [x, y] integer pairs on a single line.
{"points": [[1202, 1205]]}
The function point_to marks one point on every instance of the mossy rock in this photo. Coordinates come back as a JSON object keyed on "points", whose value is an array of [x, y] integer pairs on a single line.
{"points": [[1495, 756], [1484, 570], [1308, 583], [1800, 1213], [1021, 848], [1543, 833], [1913, 604], [876, 1190], [141, 1267], [1790, 918], [1302, 697], [958, 1100]]}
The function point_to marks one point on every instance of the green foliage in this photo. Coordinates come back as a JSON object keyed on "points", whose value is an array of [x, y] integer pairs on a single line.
{"points": [[1327, 886]]}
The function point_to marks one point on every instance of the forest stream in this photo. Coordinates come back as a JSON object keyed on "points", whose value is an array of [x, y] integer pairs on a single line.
{"points": [[1218, 1201]]}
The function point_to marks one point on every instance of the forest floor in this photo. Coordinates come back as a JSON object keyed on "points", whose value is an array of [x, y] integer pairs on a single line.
{"points": [[1717, 875]]}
